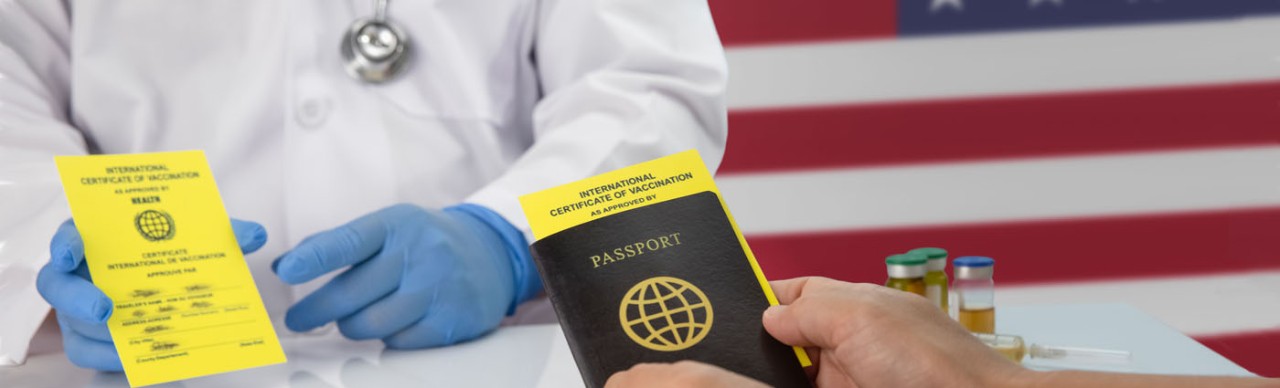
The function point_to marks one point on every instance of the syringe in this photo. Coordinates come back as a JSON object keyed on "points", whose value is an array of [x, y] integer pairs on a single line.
{"points": [[1015, 349]]}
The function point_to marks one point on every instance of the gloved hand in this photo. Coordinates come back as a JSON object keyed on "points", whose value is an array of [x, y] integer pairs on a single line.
{"points": [[418, 278], [82, 309]]}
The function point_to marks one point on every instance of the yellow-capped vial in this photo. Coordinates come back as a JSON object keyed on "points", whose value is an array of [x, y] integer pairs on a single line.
{"points": [[906, 272], [935, 275]]}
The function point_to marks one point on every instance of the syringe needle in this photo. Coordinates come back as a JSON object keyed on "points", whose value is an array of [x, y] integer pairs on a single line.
{"points": [[1015, 349], [1079, 354]]}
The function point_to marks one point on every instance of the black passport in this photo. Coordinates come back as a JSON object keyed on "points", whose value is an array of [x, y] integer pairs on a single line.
{"points": [[665, 282]]}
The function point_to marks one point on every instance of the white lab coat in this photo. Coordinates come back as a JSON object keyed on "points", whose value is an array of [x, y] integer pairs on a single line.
{"points": [[503, 97]]}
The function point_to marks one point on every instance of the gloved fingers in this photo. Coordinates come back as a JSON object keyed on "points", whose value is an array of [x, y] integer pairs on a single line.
{"points": [[66, 249], [445, 324], [86, 352], [330, 250], [73, 295], [250, 235], [83, 272], [93, 330], [346, 294], [388, 316]]}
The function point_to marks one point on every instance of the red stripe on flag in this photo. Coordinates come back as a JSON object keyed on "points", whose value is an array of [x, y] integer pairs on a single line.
{"points": [[1254, 351], [986, 128], [1045, 250], [743, 22]]}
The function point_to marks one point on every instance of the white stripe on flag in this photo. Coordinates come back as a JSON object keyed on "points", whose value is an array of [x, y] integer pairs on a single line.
{"points": [[1005, 190], [1195, 305], [1004, 63]]}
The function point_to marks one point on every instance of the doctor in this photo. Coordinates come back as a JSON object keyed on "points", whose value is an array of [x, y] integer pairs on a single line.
{"points": [[372, 152]]}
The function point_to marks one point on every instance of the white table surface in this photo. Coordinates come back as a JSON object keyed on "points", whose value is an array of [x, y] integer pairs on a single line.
{"points": [[537, 355], [1156, 347]]}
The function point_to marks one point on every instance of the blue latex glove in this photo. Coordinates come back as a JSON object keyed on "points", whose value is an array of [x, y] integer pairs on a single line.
{"points": [[82, 309], [418, 278]]}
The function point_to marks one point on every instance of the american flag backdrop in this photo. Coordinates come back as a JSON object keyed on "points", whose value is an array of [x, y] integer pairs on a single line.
{"points": [[1101, 150]]}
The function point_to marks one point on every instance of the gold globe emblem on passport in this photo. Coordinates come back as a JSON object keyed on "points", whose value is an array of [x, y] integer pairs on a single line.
{"points": [[665, 314]]}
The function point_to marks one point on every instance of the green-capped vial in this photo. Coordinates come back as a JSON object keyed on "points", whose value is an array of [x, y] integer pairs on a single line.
{"points": [[906, 272], [935, 276]]}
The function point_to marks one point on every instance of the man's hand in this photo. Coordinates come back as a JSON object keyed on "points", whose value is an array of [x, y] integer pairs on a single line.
{"points": [[863, 335], [418, 278], [690, 374], [82, 309]]}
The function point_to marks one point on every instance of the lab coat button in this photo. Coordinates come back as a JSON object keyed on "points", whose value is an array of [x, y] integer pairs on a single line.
{"points": [[312, 112]]}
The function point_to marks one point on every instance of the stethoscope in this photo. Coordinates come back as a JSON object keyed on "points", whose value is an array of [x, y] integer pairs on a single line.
{"points": [[375, 50]]}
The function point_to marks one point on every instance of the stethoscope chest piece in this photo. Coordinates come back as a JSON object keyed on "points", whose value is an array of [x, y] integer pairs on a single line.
{"points": [[375, 50]]}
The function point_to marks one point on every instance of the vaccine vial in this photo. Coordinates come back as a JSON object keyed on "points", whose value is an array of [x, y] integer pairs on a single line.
{"points": [[906, 273], [976, 291], [935, 275], [1009, 346], [1015, 349]]}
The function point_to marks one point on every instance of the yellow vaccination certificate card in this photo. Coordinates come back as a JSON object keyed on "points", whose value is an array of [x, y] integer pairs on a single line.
{"points": [[158, 242]]}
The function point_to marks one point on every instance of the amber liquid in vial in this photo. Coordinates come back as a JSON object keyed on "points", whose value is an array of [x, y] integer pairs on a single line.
{"points": [[935, 288], [914, 286], [1013, 352], [979, 321], [1009, 346]]}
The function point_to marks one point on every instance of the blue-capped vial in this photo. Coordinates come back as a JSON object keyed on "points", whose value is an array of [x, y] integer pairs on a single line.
{"points": [[975, 290]]}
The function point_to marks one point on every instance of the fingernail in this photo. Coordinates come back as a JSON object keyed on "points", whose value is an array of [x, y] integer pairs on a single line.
{"points": [[259, 234], [772, 312], [294, 325], [62, 259], [102, 309], [289, 270], [256, 233], [251, 235]]}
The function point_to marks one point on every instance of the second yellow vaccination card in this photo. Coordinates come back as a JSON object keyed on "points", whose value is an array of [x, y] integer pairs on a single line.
{"points": [[158, 242]]}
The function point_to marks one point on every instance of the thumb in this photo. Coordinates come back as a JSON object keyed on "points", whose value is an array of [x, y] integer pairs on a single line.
{"points": [[250, 235], [782, 323], [66, 249]]}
